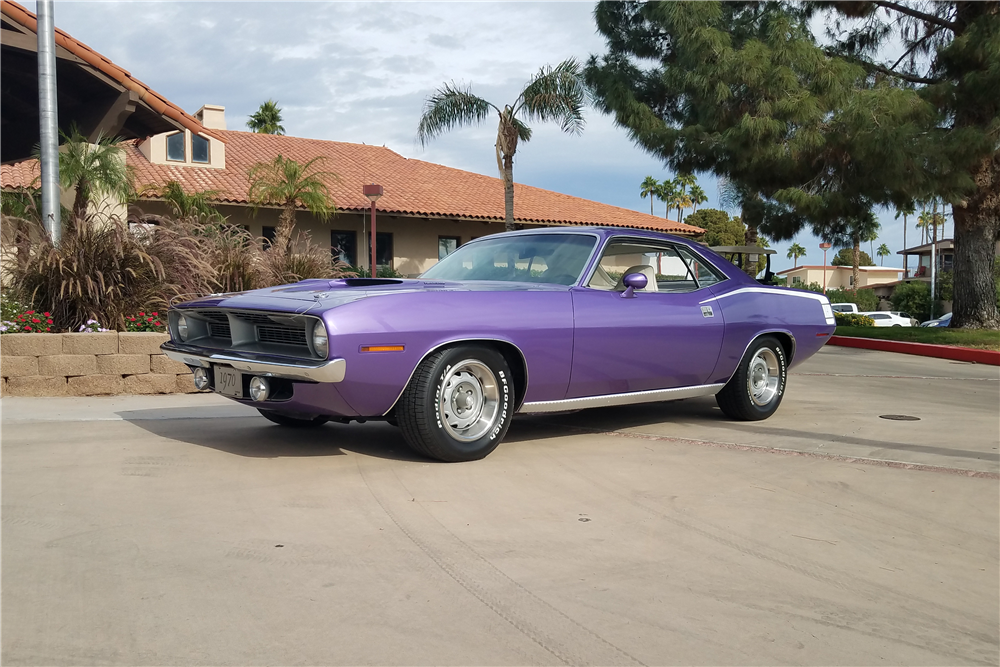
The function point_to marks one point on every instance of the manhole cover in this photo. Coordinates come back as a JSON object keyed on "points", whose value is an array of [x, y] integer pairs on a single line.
{"points": [[900, 418]]}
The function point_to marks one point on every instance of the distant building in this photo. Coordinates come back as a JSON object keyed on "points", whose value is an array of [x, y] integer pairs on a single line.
{"points": [[840, 277]]}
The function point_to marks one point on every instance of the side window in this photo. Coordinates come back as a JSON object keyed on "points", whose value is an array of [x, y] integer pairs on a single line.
{"points": [[664, 269], [706, 274], [175, 147], [199, 149]]}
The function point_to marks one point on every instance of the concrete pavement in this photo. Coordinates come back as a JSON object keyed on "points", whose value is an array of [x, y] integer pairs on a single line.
{"points": [[187, 530]]}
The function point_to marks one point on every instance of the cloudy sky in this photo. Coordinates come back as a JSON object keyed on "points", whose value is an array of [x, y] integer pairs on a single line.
{"points": [[360, 72]]}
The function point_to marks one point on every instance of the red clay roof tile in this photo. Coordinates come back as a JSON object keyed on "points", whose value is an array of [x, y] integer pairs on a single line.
{"points": [[412, 187]]}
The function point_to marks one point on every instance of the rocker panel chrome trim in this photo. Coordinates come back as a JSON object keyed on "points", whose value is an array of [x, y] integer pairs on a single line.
{"points": [[325, 371], [632, 397]]}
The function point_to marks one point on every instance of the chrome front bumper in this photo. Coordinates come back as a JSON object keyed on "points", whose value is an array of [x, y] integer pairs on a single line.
{"points": [[324, 371]]}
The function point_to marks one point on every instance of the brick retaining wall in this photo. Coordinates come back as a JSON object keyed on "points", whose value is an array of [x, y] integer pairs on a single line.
{"points": [[89, 364]]}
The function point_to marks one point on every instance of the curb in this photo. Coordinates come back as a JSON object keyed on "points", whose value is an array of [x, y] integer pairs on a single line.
{"points": [[951, 352]]}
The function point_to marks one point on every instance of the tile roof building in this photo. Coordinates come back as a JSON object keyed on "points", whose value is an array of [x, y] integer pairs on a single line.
{"points": [[427, 209], [95, 95]]}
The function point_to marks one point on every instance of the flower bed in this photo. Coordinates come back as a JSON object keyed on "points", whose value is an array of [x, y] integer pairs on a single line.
{"points": [[102, 363]]}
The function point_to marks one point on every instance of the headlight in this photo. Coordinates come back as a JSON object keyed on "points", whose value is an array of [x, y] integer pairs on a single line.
{"points": [[321, 342], [182, 327]]}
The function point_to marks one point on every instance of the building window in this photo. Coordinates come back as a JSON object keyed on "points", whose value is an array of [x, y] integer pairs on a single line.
{"points": [[199, 149], [344, 246], [447, 245], [850, 279], [796, 280], [383, 248], [175, 147], [268, 234]]}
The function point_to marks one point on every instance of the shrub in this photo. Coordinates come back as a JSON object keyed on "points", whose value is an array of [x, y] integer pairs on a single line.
{"points": [[145, 322], [853, 320], [302, 261], [29, 321], [383, 272], [913, 298], [864, 298]]}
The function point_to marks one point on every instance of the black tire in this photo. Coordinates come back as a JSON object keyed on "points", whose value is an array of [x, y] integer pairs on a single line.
{"points": [[293, 422], [458, 404], [758, 385], [897, 325]]}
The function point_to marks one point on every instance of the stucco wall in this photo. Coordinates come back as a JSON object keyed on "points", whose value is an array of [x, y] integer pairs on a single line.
{"points": [[89, 364], [415, 240]]}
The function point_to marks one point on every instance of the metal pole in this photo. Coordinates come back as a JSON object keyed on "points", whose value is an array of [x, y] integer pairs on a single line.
{"points": [[374, 242], [48, 120], [933, 263]]}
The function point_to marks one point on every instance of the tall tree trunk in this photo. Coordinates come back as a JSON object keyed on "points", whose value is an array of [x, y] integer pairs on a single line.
{"points": [[508, 192], [751, 213], [904, 247], [81, 199], [283, 234], [856, 261], [977, 230]]}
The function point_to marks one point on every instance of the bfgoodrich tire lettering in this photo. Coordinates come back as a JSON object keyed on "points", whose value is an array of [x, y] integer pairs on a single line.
{"points": [[758, 385], [458, 404]]}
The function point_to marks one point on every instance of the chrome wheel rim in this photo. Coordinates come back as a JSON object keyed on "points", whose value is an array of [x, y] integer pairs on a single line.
{"points": [[763, 376], [469, 400]]}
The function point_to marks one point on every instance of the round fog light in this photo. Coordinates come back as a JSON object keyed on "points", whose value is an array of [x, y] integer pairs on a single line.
{"points": [[259, 389], [200, 379]]}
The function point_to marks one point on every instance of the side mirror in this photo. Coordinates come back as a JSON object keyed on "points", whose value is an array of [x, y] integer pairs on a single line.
{"points": [[632, 282]]}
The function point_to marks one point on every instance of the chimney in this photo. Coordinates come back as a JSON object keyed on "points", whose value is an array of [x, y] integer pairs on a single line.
{"points": [[212, 117]]}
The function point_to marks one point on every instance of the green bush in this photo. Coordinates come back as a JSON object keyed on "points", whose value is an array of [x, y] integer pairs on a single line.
{"points": [[864, 298], [913, 298], [853, 320]]}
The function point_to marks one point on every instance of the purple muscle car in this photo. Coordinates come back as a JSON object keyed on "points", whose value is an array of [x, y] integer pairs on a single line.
{"points": [[540, 320]]}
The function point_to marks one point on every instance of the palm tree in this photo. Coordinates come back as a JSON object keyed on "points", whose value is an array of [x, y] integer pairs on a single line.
{"points": [[267, 119], [795, 251], [856, 230], [648, 189], [924, 224], [288, 184], [667, 193], [871, 236], [94, 169], [555, 93], [683, 182], [189, 205], [883, 252], [697, 196], [905, 210]]}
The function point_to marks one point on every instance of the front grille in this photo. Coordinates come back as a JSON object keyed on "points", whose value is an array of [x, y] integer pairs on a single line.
{"points": [[220, 330], [282, 335], [255, 331]]}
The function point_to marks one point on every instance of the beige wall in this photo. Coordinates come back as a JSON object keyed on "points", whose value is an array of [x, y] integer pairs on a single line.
{"points": [[839, 277], [414, 240]]}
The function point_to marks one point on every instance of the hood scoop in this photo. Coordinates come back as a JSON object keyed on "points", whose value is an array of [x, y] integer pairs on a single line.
{"points": [[364, 282]]}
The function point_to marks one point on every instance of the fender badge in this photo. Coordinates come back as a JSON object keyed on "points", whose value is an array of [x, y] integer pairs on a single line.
{"points": [[706, 311]]}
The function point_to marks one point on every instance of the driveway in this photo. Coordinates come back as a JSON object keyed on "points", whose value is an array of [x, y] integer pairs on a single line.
{"points": [[186, 530]]}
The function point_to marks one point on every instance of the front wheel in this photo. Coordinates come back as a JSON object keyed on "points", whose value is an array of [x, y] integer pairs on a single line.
{"points": [[293, 422], [458, 404], [756, 388]]}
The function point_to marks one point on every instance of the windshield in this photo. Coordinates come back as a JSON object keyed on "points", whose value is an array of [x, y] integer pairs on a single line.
{"points": [[534, 258]]}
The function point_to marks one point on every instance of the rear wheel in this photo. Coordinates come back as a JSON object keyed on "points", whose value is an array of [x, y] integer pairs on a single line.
{"points": [[756, 388], [458, 404], [294, 422]]}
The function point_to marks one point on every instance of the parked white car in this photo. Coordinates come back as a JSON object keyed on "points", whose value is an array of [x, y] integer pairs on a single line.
{"points": [[884, 318], [844, 307]]}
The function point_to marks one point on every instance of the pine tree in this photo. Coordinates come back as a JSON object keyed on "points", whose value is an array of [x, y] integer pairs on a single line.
{"points": [[821, 131]]}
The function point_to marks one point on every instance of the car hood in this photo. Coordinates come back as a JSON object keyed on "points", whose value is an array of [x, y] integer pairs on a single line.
{"points": [[321, 294]]}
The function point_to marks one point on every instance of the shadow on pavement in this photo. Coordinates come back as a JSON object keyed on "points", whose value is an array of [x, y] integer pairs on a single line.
{"points": [[253, 436]]}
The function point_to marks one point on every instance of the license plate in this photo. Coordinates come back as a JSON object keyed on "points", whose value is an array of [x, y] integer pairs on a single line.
{"points": [[228, 381]]}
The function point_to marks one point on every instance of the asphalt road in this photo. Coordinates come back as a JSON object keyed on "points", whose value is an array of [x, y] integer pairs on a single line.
{"points": [[186, 530]]}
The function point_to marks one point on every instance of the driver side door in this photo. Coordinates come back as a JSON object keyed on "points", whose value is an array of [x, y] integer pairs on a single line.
{"points": [[660, 337]]}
